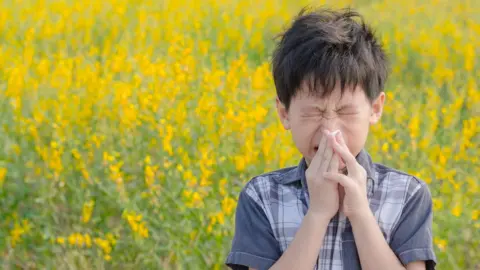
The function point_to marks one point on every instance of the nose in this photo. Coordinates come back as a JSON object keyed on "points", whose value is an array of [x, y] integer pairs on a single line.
{"points": [[330, 123]]}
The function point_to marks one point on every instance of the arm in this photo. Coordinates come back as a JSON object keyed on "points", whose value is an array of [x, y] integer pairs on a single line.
{"points": [[373, 250], [411, 246], [324, 203], [255, 245], [303, 251], [411, 243], [412, 239]]}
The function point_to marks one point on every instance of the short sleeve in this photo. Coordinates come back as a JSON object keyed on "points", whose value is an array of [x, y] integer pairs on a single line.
{"points": [[254, 244], [412, 239]]}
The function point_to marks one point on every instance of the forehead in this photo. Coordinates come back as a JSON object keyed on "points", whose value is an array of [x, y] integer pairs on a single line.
{"points": [[350, 94]]}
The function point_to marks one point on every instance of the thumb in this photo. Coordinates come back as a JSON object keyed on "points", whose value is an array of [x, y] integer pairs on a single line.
{"points": [[339, 137]]}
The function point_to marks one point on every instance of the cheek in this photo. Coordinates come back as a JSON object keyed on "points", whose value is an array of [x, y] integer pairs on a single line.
{"points": [[355, 134], [304, 129], [303, 132]]}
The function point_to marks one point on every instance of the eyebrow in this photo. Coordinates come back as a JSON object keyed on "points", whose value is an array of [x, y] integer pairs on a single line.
{"points": [[318, 108]]}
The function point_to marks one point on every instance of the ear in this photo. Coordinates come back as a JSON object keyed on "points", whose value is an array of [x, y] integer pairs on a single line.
{"points": [[283, 114], [377, 108]]}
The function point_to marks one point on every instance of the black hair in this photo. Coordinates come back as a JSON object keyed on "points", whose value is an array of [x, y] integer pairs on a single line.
{"points": [[324, 47]]}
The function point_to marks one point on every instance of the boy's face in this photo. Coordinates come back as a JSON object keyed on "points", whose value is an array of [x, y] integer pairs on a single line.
{"points": [[351, 113]]}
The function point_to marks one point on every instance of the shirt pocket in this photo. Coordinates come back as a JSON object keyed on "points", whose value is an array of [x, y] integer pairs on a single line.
{"points": [[351, 260]]}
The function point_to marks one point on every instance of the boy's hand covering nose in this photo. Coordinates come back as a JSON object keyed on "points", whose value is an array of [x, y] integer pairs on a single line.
{"points": [[355, 202], [324, 198]]}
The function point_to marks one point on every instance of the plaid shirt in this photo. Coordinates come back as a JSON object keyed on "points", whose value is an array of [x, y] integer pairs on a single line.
{"points": [[271, 208]]}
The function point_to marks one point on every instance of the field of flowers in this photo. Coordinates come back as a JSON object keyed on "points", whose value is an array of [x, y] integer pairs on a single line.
{"points": [[128, 127]]}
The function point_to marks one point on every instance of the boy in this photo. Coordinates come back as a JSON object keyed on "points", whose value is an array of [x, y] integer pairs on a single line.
{"points": [[336, 209]]}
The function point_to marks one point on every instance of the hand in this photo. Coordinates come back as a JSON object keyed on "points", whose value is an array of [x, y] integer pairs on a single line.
{"points": [[324, 200], [355, 202]]}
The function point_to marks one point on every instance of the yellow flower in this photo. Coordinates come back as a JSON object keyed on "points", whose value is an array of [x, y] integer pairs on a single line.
{"points": [[469, 57], [150, 172], [196, 198], [220, 218], [79, 239], [143, 230], [423, 144], [228, 205], [88, 240], [138, 226], [385, 147], [221, 187], [87, 211], [180, 168], [396, 146], [111, 238], [240, 163], [18, 231], [103, 244], [147, 160], [3, 173], [72, 240], [189, 178], [116, 174], [260, 76], [61, 240], [441, 243], [414, 126], [457, 210], [437, 204], [475, 214]]}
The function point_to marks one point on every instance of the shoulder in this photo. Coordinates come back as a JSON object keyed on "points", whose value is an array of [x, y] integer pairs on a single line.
{"points": [[397, 196], [403, 185], [262, 188]]}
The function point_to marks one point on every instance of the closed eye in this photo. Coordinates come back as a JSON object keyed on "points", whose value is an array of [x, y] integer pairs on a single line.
{"points": [[347, 112], [310, 114], [313, 113]]}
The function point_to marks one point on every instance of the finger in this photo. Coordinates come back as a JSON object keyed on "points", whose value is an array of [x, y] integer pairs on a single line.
{"points": [[334, 135], [317, 159], [334, 164], [327, 158], [323, 142], [343, 180], [341, 148]]}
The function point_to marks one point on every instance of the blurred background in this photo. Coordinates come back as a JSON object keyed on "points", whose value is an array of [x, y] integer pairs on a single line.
{"points": [[128, 127]]}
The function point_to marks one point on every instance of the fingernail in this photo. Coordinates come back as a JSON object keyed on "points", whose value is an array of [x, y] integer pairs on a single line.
{"points": [[338, 134], [334, 133]]}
